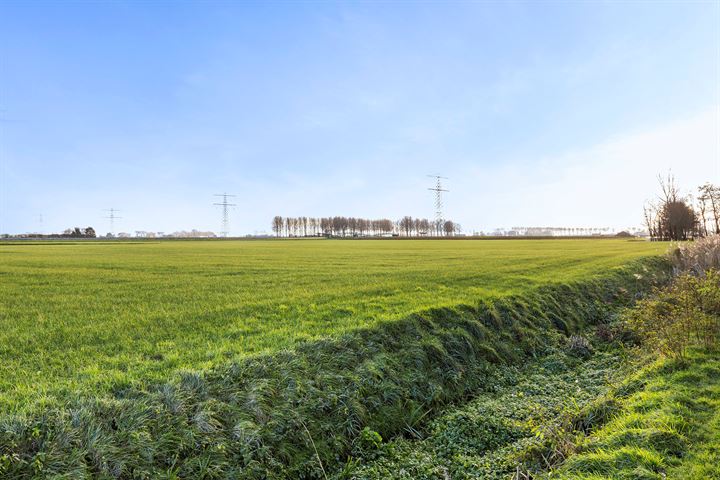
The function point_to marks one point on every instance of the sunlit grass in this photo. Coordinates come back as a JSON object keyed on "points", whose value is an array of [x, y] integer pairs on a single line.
{"points": [[104, 314], [668, 429]]}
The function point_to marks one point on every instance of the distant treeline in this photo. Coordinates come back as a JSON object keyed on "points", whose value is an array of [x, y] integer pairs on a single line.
{"points": [[360, 227], [674, 216], [77, 232]]}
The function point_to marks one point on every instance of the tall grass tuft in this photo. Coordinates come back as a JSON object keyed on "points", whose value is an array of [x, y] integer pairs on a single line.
{"points": [[697, 257]]}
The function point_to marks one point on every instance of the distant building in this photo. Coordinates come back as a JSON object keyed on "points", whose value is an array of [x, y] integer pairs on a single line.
{"points": [[193, 234]]}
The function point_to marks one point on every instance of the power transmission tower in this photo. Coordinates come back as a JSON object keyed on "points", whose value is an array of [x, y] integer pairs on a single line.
{"points": [[438, 189], [225, 218], [112, 218]]}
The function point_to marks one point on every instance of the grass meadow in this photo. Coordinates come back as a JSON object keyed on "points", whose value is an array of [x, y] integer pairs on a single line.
{"points": [[90, 316]]}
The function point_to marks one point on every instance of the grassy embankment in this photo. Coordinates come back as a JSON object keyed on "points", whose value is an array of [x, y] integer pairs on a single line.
{"points": [[668, 427], [594, 418], [487, 438], [294, 413], [660, 423]]}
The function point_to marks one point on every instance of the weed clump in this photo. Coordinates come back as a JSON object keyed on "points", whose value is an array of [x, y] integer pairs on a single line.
{"points": [[579, 346]]}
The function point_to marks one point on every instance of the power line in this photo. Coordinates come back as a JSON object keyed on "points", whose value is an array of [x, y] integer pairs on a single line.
{"points": [[438, 189], [112, 218], [225, 217]]}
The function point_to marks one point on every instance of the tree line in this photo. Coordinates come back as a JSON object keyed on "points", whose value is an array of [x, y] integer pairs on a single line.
{"points": [[77, 232], [674, 216], [360, 227]]}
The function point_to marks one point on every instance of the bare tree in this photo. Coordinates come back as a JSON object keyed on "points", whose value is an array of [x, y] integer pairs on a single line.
{"points": [[406, 225], [449, 228], [650, 213], [710, 195], [424, 226], [277, 225]]}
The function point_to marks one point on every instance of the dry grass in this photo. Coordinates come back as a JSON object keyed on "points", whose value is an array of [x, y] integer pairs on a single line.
{"points": [[697, 257]]}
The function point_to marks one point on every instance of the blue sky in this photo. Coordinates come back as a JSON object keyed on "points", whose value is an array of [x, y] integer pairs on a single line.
{"points": [[555, 113]]}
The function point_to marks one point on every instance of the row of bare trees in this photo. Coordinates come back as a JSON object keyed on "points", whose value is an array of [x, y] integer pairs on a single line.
{"points": [[674, 216], [419, 227], [360, 227]]}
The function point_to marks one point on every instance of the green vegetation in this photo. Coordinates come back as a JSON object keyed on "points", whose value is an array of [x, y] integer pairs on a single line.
{"points": [[668, 424], [579, 412], [102, 316], [302, 412], [486, 438], [668, 428], [683, 314]]}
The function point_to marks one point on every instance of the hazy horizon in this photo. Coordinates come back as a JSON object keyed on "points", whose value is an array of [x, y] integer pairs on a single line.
{"points": [[540, 114]]}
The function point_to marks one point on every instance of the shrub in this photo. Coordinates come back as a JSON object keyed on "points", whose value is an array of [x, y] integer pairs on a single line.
{"points": [[680, 315]]}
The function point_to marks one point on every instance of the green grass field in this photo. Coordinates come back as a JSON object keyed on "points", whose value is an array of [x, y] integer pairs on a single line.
{"points": [[98, 315]]}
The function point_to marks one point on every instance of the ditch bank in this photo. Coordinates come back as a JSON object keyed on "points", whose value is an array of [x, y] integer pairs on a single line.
{"points": [[665, 426], [300, 413], [508, 431]]}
